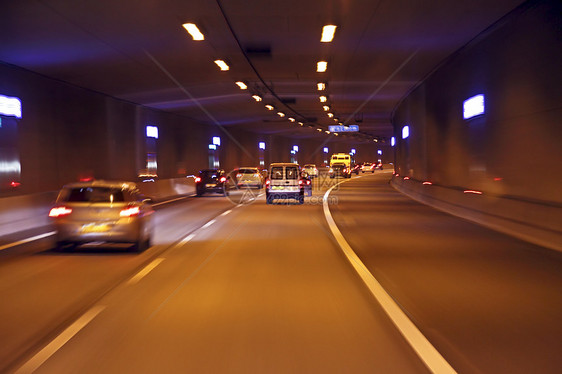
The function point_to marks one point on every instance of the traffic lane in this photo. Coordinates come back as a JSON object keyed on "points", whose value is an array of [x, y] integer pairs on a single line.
{"points": [[262, 289], [488, 302], [44, 289]]}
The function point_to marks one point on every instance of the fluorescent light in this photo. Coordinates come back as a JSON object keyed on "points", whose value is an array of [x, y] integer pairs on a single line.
{"points": [[296, 148], [242, 85], [152, 132], [257, 97], [194, 31], [261, 145], [10, 106], [325, 149], [221, 64], [323, 99], [393, 141], [321, 86], [269, 107], [216, 140], [473, 106], [213, 147], [405, 132], [328, 32], [321, 66]]}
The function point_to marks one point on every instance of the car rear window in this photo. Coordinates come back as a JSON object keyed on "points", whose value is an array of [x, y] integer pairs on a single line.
{"points": [[209, 174], [247, 171], [276, 172], [292, 172], [93, 195]]}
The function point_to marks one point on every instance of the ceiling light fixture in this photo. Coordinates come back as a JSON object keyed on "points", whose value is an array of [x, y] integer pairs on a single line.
{"points": [[269, 107], [326, 108], [281, 114], [321, 86], [257, 97], [242, 85], [194, 31], [331, 115], [323, 99], [223, 65], [321, 66], [291, 119], [328, 32]]}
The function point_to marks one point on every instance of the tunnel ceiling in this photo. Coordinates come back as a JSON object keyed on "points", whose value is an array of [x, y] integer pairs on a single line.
{"points": [[137, 50]]}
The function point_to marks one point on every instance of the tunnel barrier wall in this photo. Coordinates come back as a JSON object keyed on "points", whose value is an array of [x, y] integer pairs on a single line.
{"points": [[25, 212], [534, 221]]}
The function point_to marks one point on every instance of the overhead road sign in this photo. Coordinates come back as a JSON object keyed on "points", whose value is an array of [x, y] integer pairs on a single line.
{"points": [[350, 128]]}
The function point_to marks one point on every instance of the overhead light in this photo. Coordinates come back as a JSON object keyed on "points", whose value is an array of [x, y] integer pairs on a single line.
{"points": [[331, 115], [336, 134], [326, 108], [269, 107], [291, 119], [257, 97], [327, 132], [321, 86], [221, 64], [242, 85], [328, 32], [281, 114], [194, 31], [300, 123], [319, 130], [321, 66], [323, 99], [336, 119]]}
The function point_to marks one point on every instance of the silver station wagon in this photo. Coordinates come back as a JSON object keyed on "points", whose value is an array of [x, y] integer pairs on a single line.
{"points": [[102, 211]]}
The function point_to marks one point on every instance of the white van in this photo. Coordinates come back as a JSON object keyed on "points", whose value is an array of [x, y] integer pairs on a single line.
{"points": [[341, 158], [284, 182]]}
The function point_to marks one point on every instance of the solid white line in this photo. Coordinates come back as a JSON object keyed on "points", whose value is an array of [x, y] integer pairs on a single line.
{"points": [[208, 224], [147, 269], [424, 349], [36, 361], [27, 240], [187, 238]]}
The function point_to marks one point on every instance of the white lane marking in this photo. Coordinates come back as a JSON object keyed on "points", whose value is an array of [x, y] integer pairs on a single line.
{"points": [[147, 269], [225, 213], [187, 238], [36, 361], [208, 224], [171, 201], [14, 244], [424, 349]]}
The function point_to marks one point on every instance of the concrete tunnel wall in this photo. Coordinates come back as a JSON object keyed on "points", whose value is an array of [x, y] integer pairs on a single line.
{"points": [[512, 153], [67, 133]]}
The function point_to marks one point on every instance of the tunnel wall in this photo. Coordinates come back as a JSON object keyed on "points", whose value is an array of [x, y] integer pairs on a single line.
{"points": [[509, 158], [67, 133]]}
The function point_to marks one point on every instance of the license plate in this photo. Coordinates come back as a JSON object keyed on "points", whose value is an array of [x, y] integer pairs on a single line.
{"points": [[210, 185], [94, 228]]}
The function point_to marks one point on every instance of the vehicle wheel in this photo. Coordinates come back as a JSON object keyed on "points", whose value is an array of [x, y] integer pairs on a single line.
{"points": [[140, 245], [65, 247], [301, 199], [269, 199]]}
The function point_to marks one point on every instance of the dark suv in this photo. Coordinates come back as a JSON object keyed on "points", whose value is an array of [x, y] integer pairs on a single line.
{"points": [[339, 170], [211, 180]]}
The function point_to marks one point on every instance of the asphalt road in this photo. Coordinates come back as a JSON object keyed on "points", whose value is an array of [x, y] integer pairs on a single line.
{"points": [[265, 288]]}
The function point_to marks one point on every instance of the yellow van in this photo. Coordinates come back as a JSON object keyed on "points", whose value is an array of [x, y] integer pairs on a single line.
{"points": [[341, 158]]}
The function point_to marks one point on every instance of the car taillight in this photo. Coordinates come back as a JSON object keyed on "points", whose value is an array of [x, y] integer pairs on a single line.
{"points": [[267, 182], [307, 182], [300, 182], [197, 179], [130, 211], [60, 211], [238, 175], [223, 179]]}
